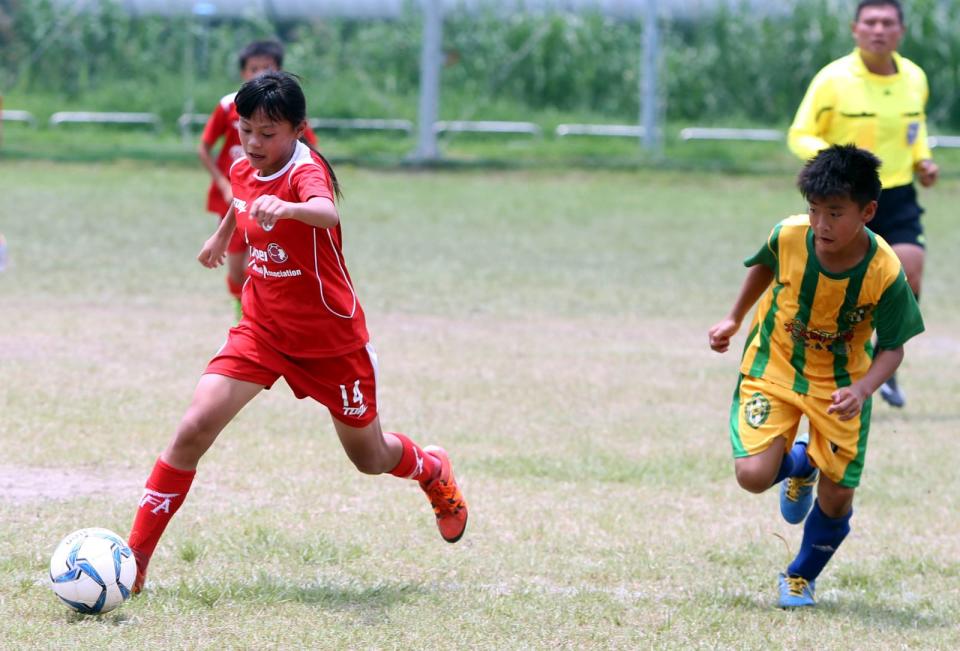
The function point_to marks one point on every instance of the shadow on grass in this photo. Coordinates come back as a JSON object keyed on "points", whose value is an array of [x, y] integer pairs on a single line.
{"points": [[264, 588], [869, 612]]}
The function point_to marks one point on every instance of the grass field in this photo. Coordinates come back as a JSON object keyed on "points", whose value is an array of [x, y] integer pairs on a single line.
{"points": [[546, 327]]}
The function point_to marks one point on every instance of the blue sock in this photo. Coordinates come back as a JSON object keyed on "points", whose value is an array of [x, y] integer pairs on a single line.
{"points": [[821, 537], [801, 464], [786, 469]]}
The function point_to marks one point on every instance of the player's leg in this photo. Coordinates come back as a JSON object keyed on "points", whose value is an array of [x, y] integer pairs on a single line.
{"points": [[838, 448], [763, 423], [912, 258], [796, 491], [216, 400], [825, 528], [347, 386], [898, 222], [374, 451]]}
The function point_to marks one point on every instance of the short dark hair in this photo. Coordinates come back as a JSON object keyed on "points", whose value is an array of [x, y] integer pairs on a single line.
{"points": [[841, 171], [272, 49], [879, 3]]}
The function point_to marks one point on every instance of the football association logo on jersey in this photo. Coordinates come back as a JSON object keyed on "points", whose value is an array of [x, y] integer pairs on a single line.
{"points": [[756, 411], [913, 130], [240, 205], [277, 253], [858, 314]]}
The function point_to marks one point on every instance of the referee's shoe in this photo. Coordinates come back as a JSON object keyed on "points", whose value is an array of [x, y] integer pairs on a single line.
{"points": [[892, 394]]}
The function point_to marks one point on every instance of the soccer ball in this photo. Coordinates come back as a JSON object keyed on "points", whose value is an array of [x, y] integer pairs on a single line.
{"points": [[92, 571]]}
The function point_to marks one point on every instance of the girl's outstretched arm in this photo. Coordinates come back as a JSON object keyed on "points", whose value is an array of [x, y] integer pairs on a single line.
{"points": [[214, 250], [316, 211]]}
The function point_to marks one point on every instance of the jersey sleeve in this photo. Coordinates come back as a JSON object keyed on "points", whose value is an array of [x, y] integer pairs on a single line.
{"points": [[805, 137], [216, 126], [311, 180], [921, 146], [769, 253], [897, 317]]}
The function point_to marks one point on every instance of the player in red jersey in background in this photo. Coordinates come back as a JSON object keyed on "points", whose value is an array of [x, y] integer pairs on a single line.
{"points": [[301, 320], [257, 57]]}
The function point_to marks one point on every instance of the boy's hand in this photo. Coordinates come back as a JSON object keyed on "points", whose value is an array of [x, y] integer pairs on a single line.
{"points": [[720, 334], [214, 251], [268, 209], [847, 402]]}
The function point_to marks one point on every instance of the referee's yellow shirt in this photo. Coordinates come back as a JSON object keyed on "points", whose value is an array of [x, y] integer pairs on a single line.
{"points": [[884, 114]]}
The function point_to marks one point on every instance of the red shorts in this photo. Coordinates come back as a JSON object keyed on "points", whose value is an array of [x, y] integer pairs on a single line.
{"points": [[346, 385]]}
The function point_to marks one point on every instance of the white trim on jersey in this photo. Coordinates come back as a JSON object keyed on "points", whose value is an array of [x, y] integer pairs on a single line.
{"points": [[316, 269], [227, 100], [375, 362], [299, 152], [234, 163]]}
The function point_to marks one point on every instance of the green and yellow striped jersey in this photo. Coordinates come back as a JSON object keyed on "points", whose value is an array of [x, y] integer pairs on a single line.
{"points": [[812, 328], [885, 114]]}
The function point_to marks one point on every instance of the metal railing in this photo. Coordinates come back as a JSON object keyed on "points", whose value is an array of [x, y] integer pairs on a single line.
{"points": [[93, 117]]}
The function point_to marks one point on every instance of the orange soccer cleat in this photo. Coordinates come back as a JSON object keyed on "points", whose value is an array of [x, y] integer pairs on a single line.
{"points": [[445, 497]]}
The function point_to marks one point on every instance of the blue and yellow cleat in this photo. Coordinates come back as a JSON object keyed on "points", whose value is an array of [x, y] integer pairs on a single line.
{"points": [[795, 592], [796, 497], [892, 394]]}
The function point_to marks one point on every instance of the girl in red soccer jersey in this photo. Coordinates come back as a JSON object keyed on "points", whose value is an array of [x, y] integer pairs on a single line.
{"points": [[301, 320], [256, 57]]}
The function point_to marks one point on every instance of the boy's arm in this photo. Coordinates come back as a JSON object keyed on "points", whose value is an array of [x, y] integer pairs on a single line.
{"points": [[848, 401], [758, 279]]}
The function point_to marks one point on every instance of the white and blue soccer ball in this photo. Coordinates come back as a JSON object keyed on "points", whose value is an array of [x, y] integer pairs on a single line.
{"points": [[92, 571]]}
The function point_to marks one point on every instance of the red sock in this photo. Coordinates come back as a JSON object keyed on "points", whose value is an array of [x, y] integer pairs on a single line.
{"points": [[165, 491], [236, 289], [414, 463]]}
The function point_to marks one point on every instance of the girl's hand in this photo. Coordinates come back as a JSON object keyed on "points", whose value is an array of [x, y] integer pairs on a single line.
{"points": [[720, 334], [268, 209], [214, 251], [847, 402]]}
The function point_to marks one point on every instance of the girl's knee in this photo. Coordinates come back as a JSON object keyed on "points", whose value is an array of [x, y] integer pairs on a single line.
{"points": [[368, 464]]}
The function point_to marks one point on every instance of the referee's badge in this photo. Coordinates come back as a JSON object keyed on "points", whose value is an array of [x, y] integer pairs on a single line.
{"points": [[756, 410], [913, 129]]}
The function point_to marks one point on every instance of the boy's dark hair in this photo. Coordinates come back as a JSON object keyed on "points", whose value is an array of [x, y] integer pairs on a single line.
{"points": [[841, 171], [879, 3], [279, 96], [272, 49]]}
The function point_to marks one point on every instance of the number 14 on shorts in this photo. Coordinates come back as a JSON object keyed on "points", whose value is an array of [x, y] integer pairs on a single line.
{"points": [[358, 407]]}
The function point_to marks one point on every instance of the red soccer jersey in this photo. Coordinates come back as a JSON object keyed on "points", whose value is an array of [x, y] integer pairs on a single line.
{"points": [[298, 294], [224, 122]]}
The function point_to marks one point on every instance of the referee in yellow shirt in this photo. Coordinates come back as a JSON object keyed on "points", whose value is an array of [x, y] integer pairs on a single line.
{"points": [[876, 99]]}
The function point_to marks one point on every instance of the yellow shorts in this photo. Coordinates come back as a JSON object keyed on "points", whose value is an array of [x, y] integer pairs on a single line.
{"points": [[762, 411]]}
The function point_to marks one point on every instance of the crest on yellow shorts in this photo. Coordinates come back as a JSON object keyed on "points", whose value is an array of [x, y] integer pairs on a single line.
{"points": [[756, 410]]}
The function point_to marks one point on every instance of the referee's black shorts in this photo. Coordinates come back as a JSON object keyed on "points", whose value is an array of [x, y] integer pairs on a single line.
{"points": [[898, 216]]}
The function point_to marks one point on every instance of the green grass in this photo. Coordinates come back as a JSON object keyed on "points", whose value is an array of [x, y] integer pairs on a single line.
{"points": [[548, 327]]}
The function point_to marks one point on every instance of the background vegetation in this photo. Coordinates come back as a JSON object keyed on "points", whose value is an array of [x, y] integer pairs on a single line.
{"points": [[725, 67]]}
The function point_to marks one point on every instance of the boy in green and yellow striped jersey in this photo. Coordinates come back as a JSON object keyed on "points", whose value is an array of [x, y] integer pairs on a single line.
{"points": [[824, 283]]}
